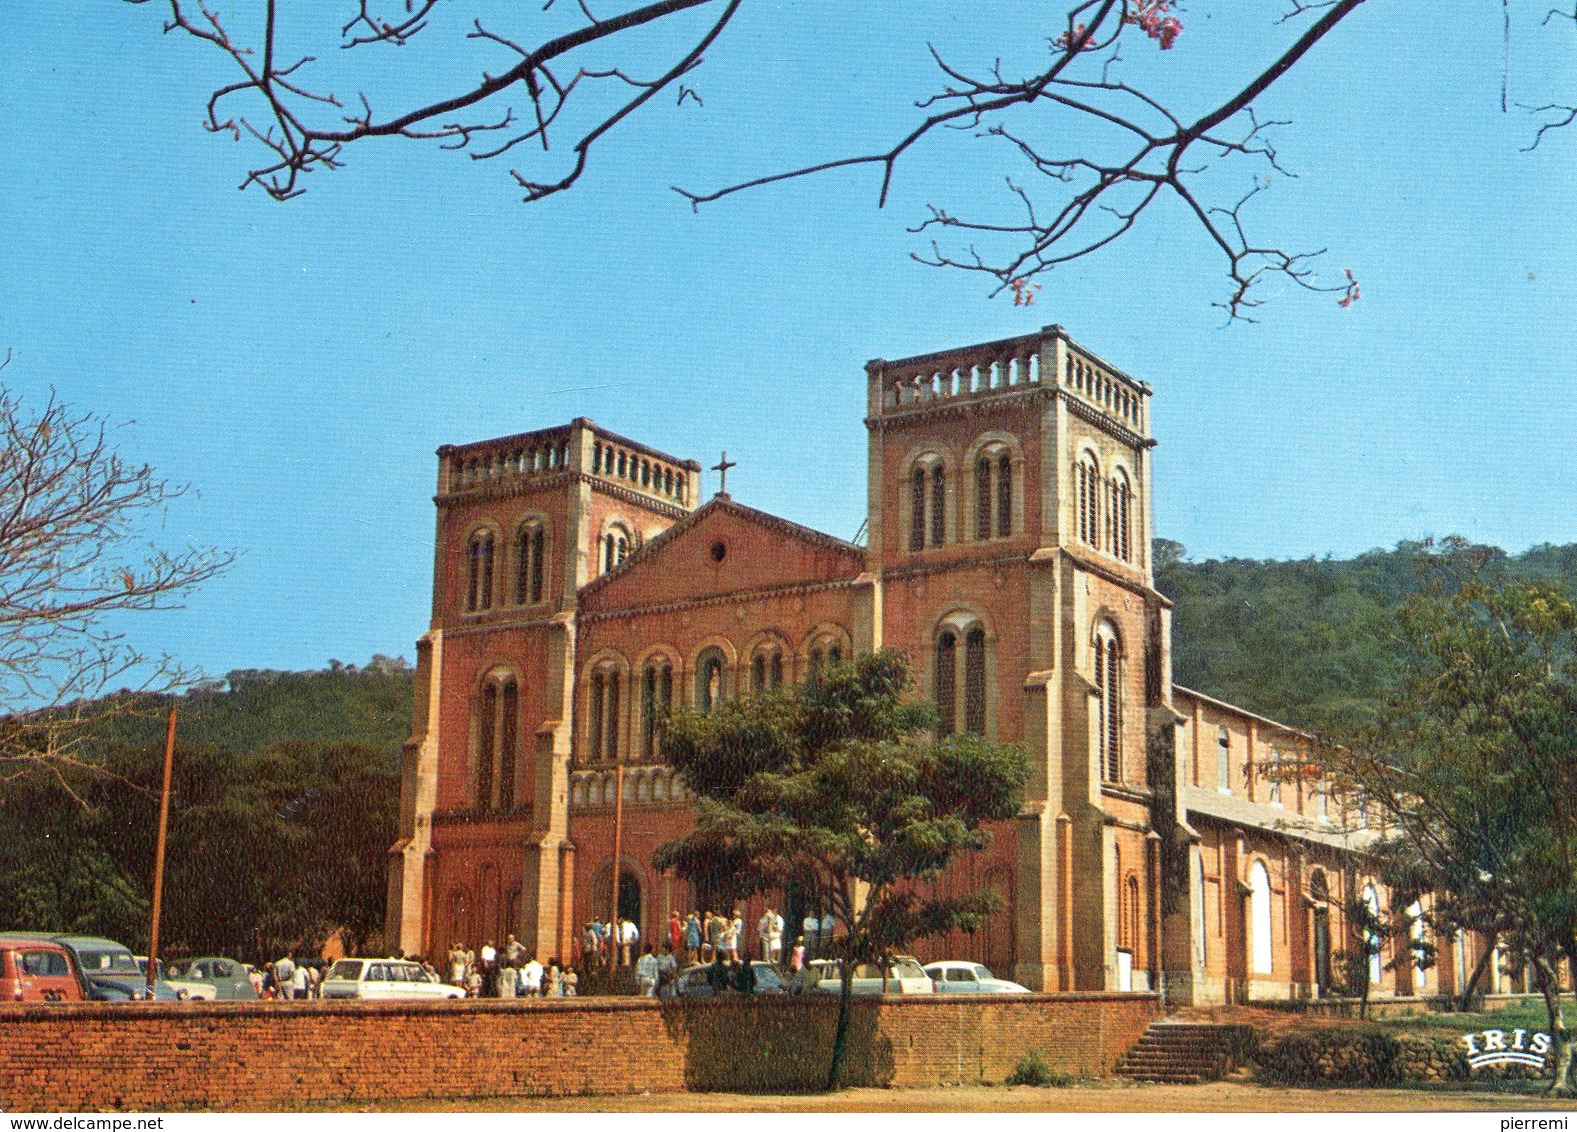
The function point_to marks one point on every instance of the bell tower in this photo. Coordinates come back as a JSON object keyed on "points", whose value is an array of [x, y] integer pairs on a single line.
{"points": [[1010, 520]]}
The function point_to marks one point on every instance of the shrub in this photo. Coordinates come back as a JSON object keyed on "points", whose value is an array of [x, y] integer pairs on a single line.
{"points": [[1031, 1070]]}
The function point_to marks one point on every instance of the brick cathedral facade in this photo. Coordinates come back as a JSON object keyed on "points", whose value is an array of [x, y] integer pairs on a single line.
{"points": [[582, 590]]}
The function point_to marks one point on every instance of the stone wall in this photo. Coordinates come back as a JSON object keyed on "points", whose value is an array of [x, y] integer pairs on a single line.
{"points": [[267, 1056]]}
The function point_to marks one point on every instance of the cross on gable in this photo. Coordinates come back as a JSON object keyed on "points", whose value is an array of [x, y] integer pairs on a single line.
{"points": [[721, 467]]}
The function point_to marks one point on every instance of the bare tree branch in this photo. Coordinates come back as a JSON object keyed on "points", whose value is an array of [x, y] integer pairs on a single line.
{"points": [[71, 562]]}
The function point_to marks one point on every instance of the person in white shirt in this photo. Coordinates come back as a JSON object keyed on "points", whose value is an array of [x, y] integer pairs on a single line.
{"points": [[531, 978], [811, 928], [284, 973], [298, 982], [737, 928], [646, 974], [629, 936], [775, 938]]}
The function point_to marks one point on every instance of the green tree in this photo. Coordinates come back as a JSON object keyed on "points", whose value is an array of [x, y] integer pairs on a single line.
{"points": [[842, 784], [1470, 760]]}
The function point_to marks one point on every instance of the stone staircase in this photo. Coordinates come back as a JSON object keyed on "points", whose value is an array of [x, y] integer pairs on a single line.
{"points": [[1186, 1053]]}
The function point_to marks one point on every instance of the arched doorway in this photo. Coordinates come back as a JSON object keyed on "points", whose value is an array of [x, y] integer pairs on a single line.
{"points": [[1320, 933], [1262, 953], [632, 897]]}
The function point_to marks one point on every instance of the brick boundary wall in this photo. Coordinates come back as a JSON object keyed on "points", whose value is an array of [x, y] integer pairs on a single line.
{"points": [[264, 1056]]}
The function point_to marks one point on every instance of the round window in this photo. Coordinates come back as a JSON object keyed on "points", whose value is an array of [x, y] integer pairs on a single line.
{"points": [[719, 551]]}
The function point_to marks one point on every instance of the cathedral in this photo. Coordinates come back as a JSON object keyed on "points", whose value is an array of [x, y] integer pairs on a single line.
{"points": [[582, 590]]}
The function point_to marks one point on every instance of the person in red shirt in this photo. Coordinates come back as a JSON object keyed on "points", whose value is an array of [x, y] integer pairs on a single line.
{"points": [[675, 931]]}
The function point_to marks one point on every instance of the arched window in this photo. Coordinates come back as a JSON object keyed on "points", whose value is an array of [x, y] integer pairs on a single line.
{"points": [[657, 691], [766, 669], [960, 677], [993, 492], [826, 651], [1260, 917], [1223, 760], [1371, 901], [946, 682], [479, 575], [616, 546], [975, 681], [1122, 497], [1109, 705], [710, 672], [1135, 914], [917, 509], [602, 713], [1420, 947], [497, 742], [938, 506], [1087, 480], [530, 544], [983, 497], [1004, 496]]}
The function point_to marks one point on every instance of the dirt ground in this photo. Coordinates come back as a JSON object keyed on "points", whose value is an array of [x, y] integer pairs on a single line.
{"points": [[1219, 1096]]}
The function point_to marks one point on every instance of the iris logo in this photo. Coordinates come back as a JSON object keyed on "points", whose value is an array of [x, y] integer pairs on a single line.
{"points": [[1489, 1047]]}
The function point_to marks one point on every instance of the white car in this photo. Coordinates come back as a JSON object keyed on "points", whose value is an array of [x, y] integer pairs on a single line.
{"points": [[383, 979], [953, 977], [903, 976], [189, 990]]}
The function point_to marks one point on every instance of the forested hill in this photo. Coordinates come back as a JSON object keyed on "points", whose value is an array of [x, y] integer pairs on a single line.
{"points": [[255, 707], [1308, 641]]}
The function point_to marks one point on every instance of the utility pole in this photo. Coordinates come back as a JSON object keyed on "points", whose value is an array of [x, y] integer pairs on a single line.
{"points": [[158, 854], [618, 837]]}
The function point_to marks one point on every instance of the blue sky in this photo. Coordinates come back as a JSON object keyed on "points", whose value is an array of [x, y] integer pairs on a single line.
{"points": [[298, 363]]}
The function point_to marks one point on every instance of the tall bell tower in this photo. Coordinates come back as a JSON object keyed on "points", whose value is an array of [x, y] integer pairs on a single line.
{"points": [[1010, 522]]}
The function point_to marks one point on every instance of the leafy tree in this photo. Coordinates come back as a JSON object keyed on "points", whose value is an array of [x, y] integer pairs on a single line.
{"points": [[1470, 759], [841, 784]]}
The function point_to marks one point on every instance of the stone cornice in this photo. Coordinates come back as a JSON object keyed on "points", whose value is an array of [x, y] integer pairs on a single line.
{"points": [[926, 569], [738, 596], [502, 619], [523, 484], [963, 405], [1104, 421], [1105, 573], [976, 404], [475, 817]]}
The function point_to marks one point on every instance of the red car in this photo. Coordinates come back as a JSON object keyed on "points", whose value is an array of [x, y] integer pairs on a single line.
{"points": [[33, 970]]}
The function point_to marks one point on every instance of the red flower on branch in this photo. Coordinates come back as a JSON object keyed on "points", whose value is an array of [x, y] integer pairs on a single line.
{"points": [[1353, 294], [1023, 291]]}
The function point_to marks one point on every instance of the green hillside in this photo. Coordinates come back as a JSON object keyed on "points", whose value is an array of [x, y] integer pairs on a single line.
{"points": [[255, 707], [1307, 641]]}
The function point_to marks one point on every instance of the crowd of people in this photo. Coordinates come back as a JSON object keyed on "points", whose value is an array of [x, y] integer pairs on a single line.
{"points": [[509, 972], [288, 978], [702, 937]]}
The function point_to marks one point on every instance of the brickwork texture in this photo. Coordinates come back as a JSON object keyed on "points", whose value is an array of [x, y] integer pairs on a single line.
{"points": [[268, 1056]]}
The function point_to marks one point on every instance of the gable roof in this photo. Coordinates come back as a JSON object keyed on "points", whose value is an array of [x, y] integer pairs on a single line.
{"points": [[721, 505]]}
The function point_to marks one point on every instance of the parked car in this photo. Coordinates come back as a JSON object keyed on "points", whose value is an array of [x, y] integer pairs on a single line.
{"points": [[36, 970], [955, 977], [903, 975], [188, 989], [383, 979], [110, 973], [693, 981], [230, 979]]}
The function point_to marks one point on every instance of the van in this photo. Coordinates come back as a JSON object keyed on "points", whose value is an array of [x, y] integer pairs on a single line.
{"points": [[33, 970]]}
